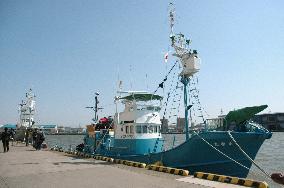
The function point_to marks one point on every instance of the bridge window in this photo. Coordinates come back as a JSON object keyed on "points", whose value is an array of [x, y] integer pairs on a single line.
{"points": [[126, 129], [131, 129], [151, 129], [144, 128], [151, 108], [159, 129], [138, 129], [155, 129], [157, 109]]}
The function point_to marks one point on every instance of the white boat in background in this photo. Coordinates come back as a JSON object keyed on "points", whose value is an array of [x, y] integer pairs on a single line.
{"points": [[27, 111], [26, 119]]}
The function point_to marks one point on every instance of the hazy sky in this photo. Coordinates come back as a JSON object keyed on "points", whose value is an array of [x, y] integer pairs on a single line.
{"points": [[66, 50]]}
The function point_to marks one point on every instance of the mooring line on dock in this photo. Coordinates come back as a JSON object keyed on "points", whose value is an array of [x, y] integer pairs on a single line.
{"points": [[261, 169], [253, 171]]}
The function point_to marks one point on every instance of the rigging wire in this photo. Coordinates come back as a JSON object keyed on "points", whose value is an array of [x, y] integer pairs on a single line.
{"points": [[170, 93], [161, 85], [235, 142], [255, 172], [197, 109], [174, 101], [171, 88]]}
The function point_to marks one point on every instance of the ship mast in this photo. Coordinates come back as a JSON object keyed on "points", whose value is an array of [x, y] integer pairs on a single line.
{"points": [[189, 61], [95, 108]]}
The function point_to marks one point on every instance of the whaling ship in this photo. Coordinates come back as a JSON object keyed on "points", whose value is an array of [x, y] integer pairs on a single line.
{"points": [[135, 133]]}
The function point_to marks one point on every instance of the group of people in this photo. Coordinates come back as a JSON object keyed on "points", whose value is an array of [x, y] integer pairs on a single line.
{"points": [[36, 137]]}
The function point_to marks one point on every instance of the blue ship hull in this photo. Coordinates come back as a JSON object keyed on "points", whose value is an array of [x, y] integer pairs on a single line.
{"points": [[196, 155]]}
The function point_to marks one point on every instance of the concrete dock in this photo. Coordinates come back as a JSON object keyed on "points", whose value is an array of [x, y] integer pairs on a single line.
{"points": [[23, 167]]}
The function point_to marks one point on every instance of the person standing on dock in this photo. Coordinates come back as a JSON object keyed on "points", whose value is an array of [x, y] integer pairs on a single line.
{"points": [[5, 139], [34, 135], [39, 139], [27, 137], [12, 133]]}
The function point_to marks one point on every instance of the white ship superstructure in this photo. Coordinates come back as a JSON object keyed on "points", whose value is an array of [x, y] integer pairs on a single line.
{"points": [[27, 110]]}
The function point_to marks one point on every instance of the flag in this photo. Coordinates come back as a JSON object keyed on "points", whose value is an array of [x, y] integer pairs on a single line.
{"points": [[166, 57]]}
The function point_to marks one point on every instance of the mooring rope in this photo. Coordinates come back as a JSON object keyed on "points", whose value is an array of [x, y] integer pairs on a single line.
{"points": [[235, 142], [255, 172], [261, 169]]}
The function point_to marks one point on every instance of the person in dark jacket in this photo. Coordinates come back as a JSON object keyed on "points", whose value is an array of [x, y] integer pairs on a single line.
{"points": [[34, 135], [27, 137], [5, 139], [12, 134], [39, 139]]}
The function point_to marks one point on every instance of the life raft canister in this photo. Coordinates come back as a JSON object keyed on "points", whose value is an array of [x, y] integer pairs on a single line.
{"points": [[103, 120]]}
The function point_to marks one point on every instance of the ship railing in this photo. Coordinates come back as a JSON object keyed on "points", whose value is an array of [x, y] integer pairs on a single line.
{"points": [[255, 127]]}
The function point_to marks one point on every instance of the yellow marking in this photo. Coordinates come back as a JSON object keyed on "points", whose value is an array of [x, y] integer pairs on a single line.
{"points": [[176, 171], [158, 163], [199, 174], [168, 170], [222, 178], [185, 172], [248, 182], [210, 176], [234, 180], [263, 185]]}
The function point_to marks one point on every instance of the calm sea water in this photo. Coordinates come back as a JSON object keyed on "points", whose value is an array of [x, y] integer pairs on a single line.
{"points": [[270, 156]]}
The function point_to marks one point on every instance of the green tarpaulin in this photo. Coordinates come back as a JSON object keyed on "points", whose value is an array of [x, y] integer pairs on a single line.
{"points": [[243, 114]]}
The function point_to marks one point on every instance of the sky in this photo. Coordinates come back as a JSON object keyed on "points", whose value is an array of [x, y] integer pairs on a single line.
{"points": [[67, 50]]}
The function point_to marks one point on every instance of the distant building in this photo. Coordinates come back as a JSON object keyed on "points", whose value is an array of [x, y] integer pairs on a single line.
{"points": [[61, 129], [68, 129], [9, 126], [77, 130], [49, 129], [180, 124], [272, 122], [165, 125]]}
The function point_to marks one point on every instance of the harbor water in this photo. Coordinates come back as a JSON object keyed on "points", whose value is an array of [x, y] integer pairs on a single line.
{"points": [[270, 156]]}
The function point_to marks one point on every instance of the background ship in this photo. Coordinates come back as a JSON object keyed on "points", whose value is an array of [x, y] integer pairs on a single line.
{"points": [[26, 118]]}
